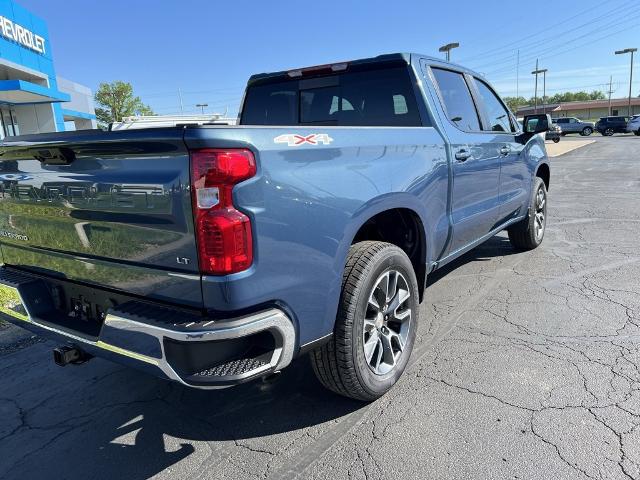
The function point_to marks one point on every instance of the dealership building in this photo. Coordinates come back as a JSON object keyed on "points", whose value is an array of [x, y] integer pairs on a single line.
{"points": [[32, 98], [590, 109]]}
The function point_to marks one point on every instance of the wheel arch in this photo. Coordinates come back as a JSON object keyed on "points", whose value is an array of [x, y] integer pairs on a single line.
{"points": [[544, 172], [378, 221]]}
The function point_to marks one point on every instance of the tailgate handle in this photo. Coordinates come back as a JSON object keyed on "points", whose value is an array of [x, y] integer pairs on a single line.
{"points": [[54, 156]]}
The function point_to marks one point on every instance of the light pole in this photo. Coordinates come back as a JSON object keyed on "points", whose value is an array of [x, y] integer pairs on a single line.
{"points": [[202, 105], [543, 71], [631, 51], [447, 49]]}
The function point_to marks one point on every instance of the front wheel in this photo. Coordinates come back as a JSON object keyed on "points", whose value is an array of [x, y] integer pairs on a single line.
{"points": [[586, 131], [608, 132], [556, 139], [376, 324], [528, 233], [637, 133]]}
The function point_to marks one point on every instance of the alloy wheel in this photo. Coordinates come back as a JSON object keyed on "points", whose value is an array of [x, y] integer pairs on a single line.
{"points": [[387, 322]]}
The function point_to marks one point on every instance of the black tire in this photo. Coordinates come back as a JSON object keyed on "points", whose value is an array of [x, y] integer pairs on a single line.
{"points": [[586, 131], [340, 364], [608, 132], [637, 133], [556, 139], [524, 235]]}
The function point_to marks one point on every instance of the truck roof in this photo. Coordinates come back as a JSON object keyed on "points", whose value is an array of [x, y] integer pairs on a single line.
{"points": [[389, 59]]}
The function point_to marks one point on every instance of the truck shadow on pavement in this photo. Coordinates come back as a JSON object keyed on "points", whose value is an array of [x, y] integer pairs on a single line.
{"points": [[104, 421]]}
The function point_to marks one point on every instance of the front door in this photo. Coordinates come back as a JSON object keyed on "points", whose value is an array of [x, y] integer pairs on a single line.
{"points": [[501, 131], [475, 201]]}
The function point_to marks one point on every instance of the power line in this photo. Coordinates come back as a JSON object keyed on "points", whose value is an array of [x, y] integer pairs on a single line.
{"points": [[512, 45], [614, 23], [561, 52]]}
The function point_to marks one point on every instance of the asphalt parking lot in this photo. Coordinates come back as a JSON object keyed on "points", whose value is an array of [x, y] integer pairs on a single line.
{"points": [[526, 366]]}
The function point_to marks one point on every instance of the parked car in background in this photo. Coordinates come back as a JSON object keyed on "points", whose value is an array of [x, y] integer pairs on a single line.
{"points": [[607, 126], [634, 125], [574, 125], [554, 133]]}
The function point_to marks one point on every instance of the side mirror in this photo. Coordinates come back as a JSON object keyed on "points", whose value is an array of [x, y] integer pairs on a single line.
{"points": [[536, 123]]}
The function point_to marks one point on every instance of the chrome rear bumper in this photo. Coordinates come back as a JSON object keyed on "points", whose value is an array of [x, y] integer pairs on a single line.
{"points": [[158, 339]]}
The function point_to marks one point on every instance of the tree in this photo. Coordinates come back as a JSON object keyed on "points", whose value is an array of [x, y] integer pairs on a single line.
{"points": [[515, 102], [116, 100]]}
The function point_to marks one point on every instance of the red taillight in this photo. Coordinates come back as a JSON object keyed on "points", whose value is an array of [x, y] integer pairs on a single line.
{"points": [[223, 234]]}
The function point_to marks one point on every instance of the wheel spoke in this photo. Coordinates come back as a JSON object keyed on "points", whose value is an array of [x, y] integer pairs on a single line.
{"points": [[369, 325], [370, 345], [384, 286], [402, 315], [393, 286], [378, 360], [373, 301], [388, 355]]}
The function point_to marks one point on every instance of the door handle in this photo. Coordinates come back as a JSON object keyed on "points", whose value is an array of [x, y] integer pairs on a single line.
{"points": [[505, 150], [463, 155]]}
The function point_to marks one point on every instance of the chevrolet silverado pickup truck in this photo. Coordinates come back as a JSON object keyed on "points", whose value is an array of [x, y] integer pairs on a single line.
{"points": [[211, 254]]}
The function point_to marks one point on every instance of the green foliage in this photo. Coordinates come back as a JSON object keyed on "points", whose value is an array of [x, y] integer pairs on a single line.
{"points": [[116, 100], [514, 103], [576, 96]]}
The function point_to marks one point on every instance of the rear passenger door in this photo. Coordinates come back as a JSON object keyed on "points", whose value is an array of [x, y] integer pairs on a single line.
{"points": [[500, 128], [475, 192]]}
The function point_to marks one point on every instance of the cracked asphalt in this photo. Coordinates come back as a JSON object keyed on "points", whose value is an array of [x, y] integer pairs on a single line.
{"points": [[525, 366]]}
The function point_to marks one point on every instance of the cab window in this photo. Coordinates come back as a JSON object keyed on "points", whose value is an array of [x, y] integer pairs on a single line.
{"points": [[456, 99], [499, 117]]}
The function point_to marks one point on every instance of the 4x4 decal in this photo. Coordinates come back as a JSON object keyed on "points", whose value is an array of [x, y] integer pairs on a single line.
{"points": [[295, 140]]}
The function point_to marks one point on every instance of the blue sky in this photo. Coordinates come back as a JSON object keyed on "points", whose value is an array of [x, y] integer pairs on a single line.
{"points": [[208, 49]]}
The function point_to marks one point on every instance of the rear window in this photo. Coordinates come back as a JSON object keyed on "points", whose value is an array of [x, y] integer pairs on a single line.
{"points": [[380, 97]]}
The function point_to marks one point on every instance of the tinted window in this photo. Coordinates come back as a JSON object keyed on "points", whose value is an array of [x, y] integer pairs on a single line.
{"points": [[499, 117], [457, 99], [562, 120], [381, 97]]}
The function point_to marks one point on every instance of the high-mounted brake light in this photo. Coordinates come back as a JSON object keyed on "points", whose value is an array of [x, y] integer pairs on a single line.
{"points": [[223, 234], [329, 67]]}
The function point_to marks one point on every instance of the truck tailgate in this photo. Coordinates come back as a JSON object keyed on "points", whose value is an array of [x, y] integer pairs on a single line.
{"points": [[111, 209]]}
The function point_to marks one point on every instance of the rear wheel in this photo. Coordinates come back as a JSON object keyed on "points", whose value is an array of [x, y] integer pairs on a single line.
{"points": [[556, 139], [586, 131], [637, 132], [528, 234], [376, 323]]}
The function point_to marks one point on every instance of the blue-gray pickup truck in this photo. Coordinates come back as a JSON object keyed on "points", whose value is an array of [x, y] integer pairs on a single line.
{"points": [[211, 255]]}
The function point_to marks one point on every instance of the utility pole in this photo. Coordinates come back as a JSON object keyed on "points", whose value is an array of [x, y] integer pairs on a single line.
{"points": [[631, 51], [518, 74], [447, 49], [544, 90], [535, 72], [610, 92], [544, 94], [202, 105], [543, 71], [181, 104]]}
